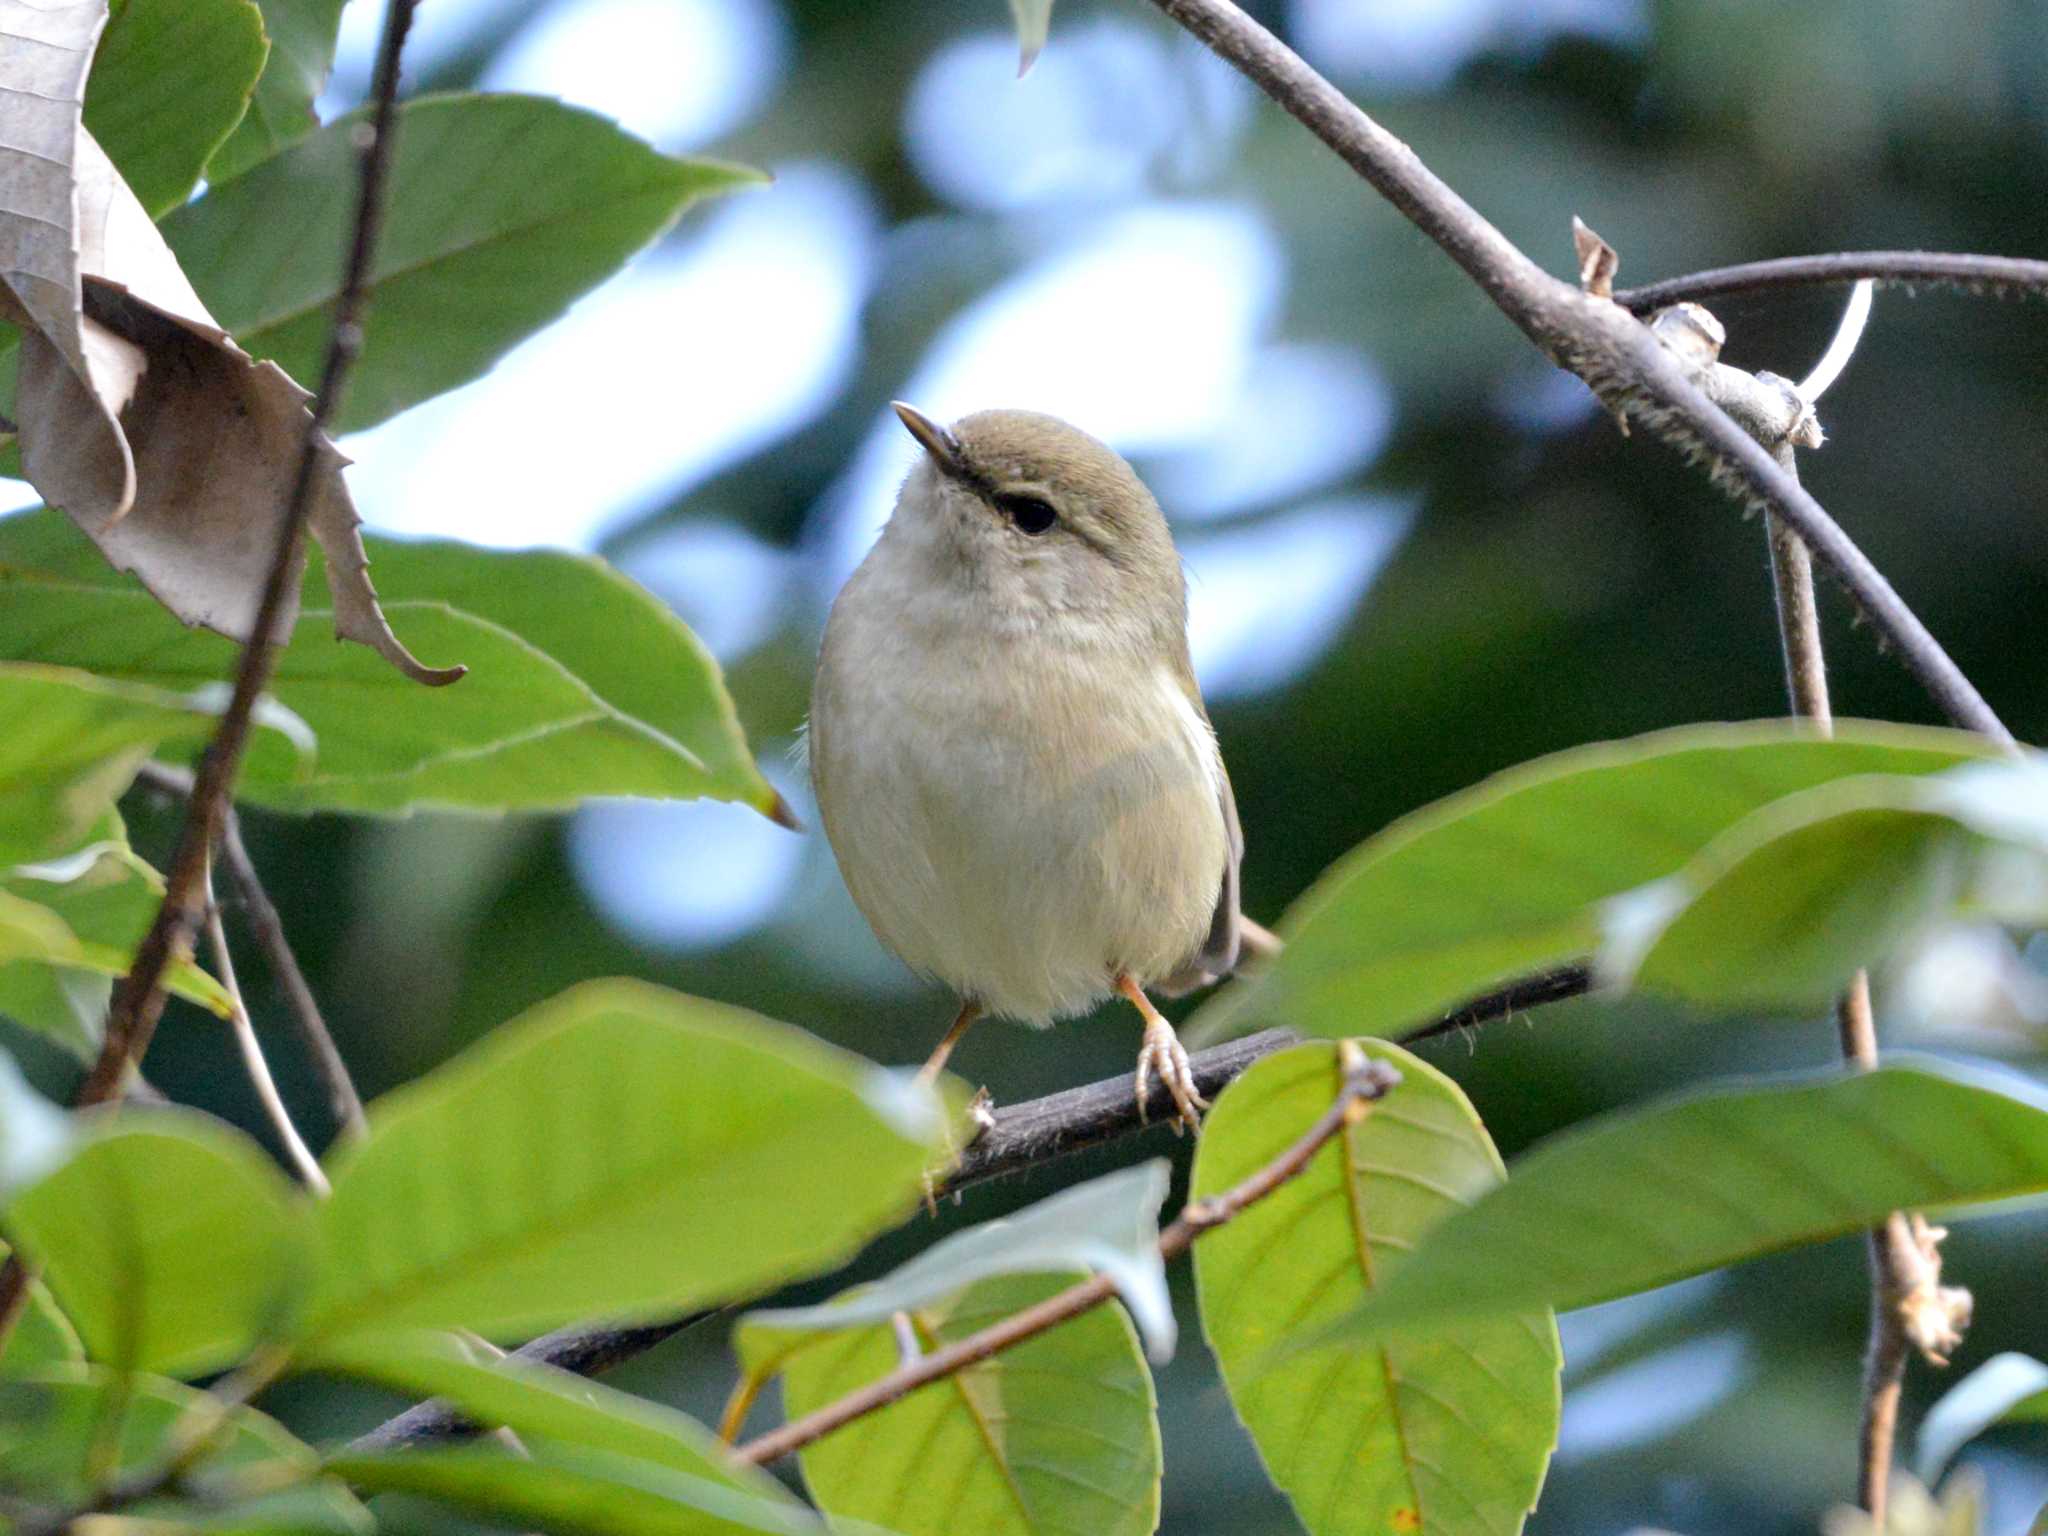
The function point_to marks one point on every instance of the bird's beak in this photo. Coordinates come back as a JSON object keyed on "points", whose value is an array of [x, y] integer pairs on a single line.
{"points": [[942, 445]]}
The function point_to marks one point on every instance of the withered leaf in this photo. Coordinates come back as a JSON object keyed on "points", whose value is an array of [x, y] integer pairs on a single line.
{"points": [[169, 445]]}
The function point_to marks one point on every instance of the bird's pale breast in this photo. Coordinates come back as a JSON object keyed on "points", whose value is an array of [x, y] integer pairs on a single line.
{"points": [[1019, 826]]}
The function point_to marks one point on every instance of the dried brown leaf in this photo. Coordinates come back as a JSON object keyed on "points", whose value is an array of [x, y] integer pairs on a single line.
{"points": [[170, 446]]}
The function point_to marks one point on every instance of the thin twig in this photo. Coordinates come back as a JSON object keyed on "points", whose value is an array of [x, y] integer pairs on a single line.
{"points": [[296, 1151], [1594, 337], [138, 1001], [268, 928], [1806, 687], [1368, 1082], [2009, 277]]}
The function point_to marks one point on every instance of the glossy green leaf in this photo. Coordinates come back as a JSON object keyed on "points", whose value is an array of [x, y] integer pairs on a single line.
{"points": [[1106, 1226], [543, 1405], [1444, 1429], [42, 1336], [1505, 878], [70, 743], [104, 898], [301, 34], [600, 1157], [169, 81], [53, 1422], [2006, 1389], [1787, 905], [575, 1493], [581, 683], [1645, 1196], [1058, 1434], [502, 211], [170, 1240]]}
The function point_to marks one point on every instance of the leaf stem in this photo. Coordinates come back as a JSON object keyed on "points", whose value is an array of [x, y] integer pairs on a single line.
{"points": [[1364, 1085]]}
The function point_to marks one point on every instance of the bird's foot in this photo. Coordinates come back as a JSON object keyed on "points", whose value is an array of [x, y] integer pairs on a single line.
{"points": [[1163, 1056]]}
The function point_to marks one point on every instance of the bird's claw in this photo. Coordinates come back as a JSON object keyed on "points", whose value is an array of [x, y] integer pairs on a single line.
{"points": [[1163, 1056]]}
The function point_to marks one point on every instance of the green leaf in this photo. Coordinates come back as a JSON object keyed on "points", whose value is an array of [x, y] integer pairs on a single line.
{"points": [[104, 898], [169, 1239], [1106, 1226], [1505, 878], [42, 1336], [1446, 1429], [1784, 908], [1636, 1199], [70, 743], [169, 80], [620, 1151], [571, 1493], [1057, 1434], [581, 683], [302, 34], [660, 689], [543, 1405], [54, 1422], [2006, 1389], [503, 210]]}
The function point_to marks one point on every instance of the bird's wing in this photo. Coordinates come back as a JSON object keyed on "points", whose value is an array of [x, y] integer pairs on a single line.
{"points": [[1219, 950]]}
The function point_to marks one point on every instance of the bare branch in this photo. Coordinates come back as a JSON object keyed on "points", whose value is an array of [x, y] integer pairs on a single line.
{"points": [[1595, 338], [268, 928], [1365, 1083], [2005, 277]]}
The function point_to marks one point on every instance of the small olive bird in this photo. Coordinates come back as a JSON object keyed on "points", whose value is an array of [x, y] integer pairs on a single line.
{"points": [[1010, 751]]}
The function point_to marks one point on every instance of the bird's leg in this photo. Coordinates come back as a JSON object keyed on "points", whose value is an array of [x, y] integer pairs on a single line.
{"points": [[978, 1111], [928, 1074], [1163, 1056]]}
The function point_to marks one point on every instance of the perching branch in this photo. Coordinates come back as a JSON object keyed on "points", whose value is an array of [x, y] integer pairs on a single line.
{"points": [[2005, 277], [1024, 1136], [268, 928], [1365, 1083], [1594, 337]]}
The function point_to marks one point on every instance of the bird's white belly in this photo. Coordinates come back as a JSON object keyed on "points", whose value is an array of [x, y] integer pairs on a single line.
{"points": [[1021, 860]]}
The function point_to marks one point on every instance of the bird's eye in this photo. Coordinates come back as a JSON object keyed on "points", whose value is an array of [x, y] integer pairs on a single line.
{"points": [[1031, 514]]}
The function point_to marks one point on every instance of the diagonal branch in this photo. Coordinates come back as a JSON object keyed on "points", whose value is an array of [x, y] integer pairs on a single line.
{"points": [[1595, 338], [139, 999], [2004, 277]]}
